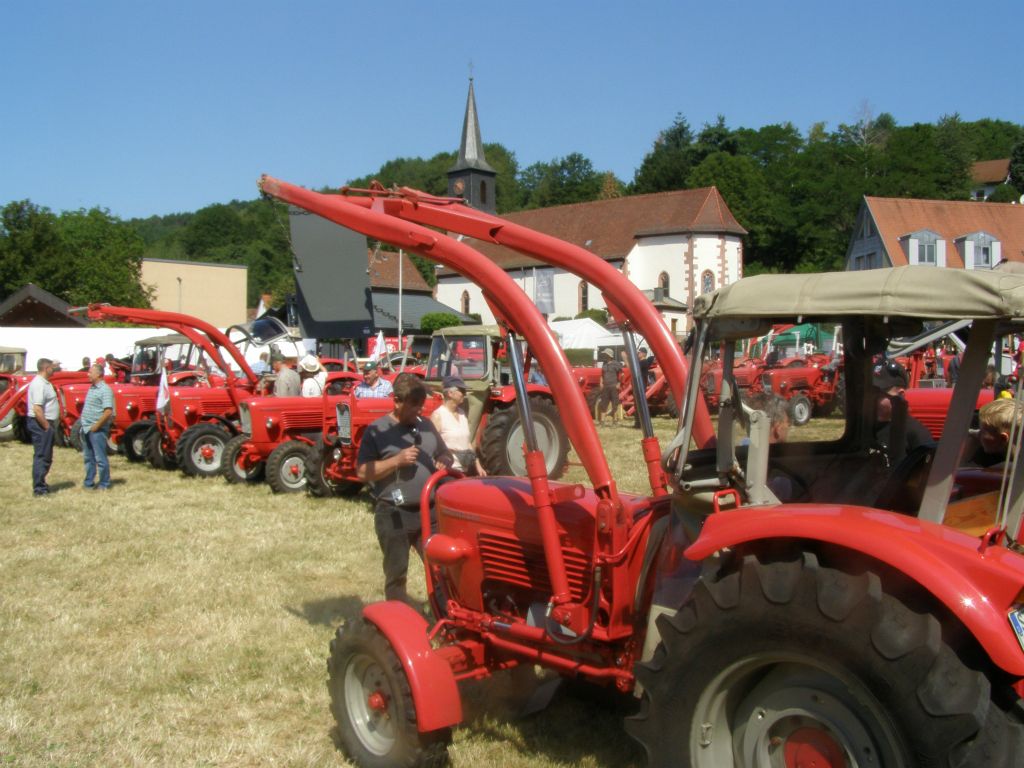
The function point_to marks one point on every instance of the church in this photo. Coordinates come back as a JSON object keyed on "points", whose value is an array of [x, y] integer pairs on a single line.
{"points": [[674, 245]]}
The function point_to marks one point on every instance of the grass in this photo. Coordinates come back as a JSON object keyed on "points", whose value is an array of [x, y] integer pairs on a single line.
{"points": [[172, 621]]}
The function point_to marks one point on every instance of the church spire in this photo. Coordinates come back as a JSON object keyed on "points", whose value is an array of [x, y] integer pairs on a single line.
{"points": [[471, 150], [472, 178]]}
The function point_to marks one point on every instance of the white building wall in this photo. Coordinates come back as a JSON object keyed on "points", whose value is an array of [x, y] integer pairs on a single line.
{"points": [[653, 255]]}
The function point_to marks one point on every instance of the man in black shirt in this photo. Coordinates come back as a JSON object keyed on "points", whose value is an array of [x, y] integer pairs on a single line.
{"points": [[890, 380], [397, 455]]}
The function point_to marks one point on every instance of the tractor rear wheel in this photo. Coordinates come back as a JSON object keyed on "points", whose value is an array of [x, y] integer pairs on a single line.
{"points": [[232, 468], [201, 450], [158, 457], [134, 440], [800, 410], [321, 485], [286, 467], [371, 701], [501, 450], [790, 663]]}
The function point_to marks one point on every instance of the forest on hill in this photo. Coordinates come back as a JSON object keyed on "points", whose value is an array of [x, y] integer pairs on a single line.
{"points": [[796, 193]]}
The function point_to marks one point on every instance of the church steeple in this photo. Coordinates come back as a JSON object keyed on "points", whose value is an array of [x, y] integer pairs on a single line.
{"points": [[471, 178]]}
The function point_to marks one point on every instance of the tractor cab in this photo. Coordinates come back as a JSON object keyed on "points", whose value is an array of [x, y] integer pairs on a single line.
{"points": [[872, 455], [265, 334], [151, 353], [12, 359]]}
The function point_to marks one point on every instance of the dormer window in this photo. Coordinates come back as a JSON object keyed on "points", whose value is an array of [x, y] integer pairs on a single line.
{"points": [[979, 250], [924, 248]]}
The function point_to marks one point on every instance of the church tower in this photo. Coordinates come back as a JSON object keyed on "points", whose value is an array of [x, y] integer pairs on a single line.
{"points": [[471, 178]]}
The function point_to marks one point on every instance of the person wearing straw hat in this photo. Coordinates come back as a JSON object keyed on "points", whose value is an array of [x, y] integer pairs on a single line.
{"points": [[314, 377]]}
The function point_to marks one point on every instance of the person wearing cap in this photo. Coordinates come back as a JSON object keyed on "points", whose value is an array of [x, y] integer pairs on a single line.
{"points": [[890, 380], [397, 455], [372, 385], [314, 377], [43, 412], [609, 394], [453, 426], [287, 383]]}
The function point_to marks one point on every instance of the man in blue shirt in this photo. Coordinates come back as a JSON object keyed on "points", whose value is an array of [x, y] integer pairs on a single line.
{"points": [[97, 418]]}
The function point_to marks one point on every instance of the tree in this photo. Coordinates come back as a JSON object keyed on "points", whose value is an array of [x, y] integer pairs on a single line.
{"points": [[102, 260], [432, 321], [596, 314], [954, 148], [30, 246], [1004, 193], [564, 180], [213, 227], [1017, 166], [670, 160], [742, 183]]}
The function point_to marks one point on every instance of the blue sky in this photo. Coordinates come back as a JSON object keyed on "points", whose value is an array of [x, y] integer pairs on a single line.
{"points": [[147, 108]]}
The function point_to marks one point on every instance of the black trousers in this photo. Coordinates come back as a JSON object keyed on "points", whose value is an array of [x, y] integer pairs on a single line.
{"points": [[42, 453], [398, 530]]}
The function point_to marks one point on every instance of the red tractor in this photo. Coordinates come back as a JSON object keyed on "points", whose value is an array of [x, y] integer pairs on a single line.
{"points": [[194, 423], [813, 385], [850, 625]]}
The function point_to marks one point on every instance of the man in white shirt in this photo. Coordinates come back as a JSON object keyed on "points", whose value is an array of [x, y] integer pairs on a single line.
{"points": [[42, 413]]}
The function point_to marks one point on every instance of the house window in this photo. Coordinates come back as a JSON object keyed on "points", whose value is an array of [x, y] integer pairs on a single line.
{"points": [[583, 303], [983, 255], [465, 302], [926, 254], [663, 282], [707, 281]]}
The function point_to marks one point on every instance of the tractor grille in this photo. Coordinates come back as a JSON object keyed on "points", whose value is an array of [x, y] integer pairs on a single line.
{"points": [[245, 418], [344, 417], [509, 560], [301, 422]]}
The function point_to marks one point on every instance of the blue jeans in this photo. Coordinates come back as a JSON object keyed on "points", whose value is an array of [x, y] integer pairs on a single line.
{"points": [[42, 454], [94, 452]]}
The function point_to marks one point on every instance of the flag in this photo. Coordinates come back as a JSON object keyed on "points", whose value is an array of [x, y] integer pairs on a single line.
{"points": [[163, 392], [261, 309], [380, 349]]}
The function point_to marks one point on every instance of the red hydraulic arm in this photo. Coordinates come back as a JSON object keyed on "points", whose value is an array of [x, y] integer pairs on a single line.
{"points": [[503, 293], [199, 332], [626, 302]]}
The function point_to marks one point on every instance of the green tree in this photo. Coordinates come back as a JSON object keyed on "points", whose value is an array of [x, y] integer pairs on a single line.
{"points": [[597, 314], [1017, 166], [1004, 193], [30, 246], [955, 157], [102, 260], [742, 183], [564, 180], [212, 227], [670, 160], [431, 321]]}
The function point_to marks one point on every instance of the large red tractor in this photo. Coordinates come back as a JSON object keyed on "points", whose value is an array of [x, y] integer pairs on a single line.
{"points": [[849, 625]]}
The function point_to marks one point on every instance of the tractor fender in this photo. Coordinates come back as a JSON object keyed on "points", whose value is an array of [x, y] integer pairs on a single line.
{"points": [[977, 583], [507, 393], [434, 692], [225, 422]]}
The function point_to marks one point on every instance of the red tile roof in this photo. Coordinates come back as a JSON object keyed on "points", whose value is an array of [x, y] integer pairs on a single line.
{"points": [[384, 272], [951, 219], [610, 228], [990, 171]]}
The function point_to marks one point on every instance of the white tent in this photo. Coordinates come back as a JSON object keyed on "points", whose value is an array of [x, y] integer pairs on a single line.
{"points": [[584, 333]]}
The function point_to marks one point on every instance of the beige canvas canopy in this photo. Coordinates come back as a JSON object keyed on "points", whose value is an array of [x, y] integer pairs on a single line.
{"points": [[932, 293], [163, 341]]}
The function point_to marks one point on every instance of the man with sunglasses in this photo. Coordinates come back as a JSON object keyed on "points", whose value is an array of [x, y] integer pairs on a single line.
{"points": [[890, 380]]}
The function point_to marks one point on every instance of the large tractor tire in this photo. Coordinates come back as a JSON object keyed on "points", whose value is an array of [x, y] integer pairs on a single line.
{"points": [[286, 467], [231, 467], [20, 429], [501, 450], [201, 450], [318, 484], [133, 441], [156, 455], [800, 410], [73, 439], [7, 425], [372, 703], [790, 663]]}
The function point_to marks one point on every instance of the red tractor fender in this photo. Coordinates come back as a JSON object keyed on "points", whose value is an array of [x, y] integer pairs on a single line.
{"points": [[506, 393], [976, 582], [434, 692]]}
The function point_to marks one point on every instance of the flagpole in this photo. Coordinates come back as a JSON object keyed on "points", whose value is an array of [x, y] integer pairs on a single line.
{"points": [[401, 258]]}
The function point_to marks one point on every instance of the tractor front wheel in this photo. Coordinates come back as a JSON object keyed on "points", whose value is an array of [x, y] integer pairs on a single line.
{"points": [[286, 467], [74, 438], [232, 468], [502, 446], [800, 410], [372, 703], [134, 440], [201, 450], [156, 454], [318, 483], [789, 663]]}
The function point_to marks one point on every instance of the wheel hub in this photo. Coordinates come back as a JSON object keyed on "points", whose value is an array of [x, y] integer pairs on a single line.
{"points": [[206, 452], [377, 702], [812, 748], [294, 469]]}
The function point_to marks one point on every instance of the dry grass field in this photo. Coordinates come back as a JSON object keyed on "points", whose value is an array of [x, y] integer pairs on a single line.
{"points": [[180, 622]]}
